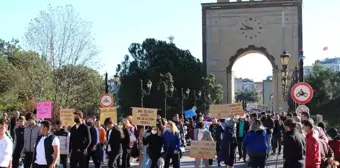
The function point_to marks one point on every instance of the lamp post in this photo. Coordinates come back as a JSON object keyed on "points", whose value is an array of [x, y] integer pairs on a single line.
{"points": [[184, 97], [296, 76], [143, 91], [116, 88], [198, 97], [106, 83], [168, 93]]}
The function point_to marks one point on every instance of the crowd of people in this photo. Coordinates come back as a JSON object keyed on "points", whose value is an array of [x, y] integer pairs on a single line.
{"points": [[251, 138]]}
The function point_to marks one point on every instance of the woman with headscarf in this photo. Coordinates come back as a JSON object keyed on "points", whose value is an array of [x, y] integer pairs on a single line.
{"points": [[228, 145]]}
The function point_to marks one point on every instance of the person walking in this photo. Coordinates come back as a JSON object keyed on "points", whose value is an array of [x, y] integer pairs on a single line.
{"points": [[172, 144], [64, 139], [92, 148], [47, 147], [201, 134], [31, 134], [125, 141], [277, 135], [268, 123], [241, 129], [6, 146], [228, 146], [216, 131], [256, 145], [313, 157], [155, 143], [101, 135], [18, 141], [294, 146], [79, 141], [114, 147]]}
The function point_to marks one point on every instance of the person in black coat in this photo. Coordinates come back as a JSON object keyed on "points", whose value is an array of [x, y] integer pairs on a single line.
{"points": [[79, 142], [155, 143], [125, 141], [294, 146], [216, 131], [18, 141], [114, 146], [91, 150], [277, 135], [268, 123]]}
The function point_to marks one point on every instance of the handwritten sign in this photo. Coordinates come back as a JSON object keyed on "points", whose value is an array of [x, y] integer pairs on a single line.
{"points": [[226, 110], [108, 112], [144, 116], [203, 149], [67, 117], [44, 110]]}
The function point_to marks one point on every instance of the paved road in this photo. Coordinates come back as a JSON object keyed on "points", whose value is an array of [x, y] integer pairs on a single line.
{"points": [[187, 162]]}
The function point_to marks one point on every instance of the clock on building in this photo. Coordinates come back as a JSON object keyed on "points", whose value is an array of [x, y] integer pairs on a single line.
{"points": [[251, 28]]}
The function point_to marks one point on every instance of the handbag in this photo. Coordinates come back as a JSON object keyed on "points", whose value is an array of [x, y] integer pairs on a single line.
{"points": [[132, 138]]}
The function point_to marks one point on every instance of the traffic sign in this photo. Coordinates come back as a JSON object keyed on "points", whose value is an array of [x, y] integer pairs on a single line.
{"points": [[301, 108], [106, 100], [302, 93]]}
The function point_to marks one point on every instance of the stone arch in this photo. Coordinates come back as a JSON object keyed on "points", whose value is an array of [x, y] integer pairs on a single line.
{"points": [[248, 50]]}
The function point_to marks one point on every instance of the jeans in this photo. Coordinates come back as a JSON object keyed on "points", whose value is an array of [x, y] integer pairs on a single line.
{"points": [[63, 160], [269, 142], [77, 157]]}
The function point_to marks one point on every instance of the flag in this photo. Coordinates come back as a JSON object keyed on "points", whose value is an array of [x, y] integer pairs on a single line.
{"points": [[325, 48]]}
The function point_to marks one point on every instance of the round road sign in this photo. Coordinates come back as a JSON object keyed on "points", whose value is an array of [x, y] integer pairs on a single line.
{"points": [[301, 108], [106, 100], [302, 93]]}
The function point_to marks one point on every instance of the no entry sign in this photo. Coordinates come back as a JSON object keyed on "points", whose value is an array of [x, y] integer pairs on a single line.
{"points": [[302, 93]]}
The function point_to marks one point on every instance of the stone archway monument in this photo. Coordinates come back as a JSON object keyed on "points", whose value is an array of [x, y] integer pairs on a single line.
{"points": [[234, 29]]}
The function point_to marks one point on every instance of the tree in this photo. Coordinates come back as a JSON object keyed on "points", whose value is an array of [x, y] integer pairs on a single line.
{"points": [[60, 35], [154, 59], [247, 96], [326, 98]]}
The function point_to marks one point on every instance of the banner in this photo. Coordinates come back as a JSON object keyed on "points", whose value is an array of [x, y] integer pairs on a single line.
{"points": [[203, 149], [226, 110], [108, 112], [144, 116], [44, 110], [67, 117]]}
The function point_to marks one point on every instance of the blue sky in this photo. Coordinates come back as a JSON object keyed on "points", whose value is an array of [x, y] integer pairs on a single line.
{"points": [[116, 24]]}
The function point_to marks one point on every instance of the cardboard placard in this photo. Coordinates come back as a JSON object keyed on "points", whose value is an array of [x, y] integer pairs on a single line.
{"points": [[44, 110], [226, 110], [144, 116], [67, 117], [108, 112], [203, 149]]}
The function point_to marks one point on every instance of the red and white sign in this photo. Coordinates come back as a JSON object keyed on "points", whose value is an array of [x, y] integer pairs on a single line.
{"points": [[106, 100], [302, 93], [301, 108]]}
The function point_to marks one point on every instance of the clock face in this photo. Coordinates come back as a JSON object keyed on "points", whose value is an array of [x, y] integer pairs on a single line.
{"points": [[251, 28]]}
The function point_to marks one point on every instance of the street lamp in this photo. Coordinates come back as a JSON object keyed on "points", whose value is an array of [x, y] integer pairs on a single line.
{"points": [[168, 93], [184, 97], [284, 59], [198, 97], [145, 92]]}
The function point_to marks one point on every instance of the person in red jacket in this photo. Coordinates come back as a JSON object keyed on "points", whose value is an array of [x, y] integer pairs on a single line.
{"points": [[334, 143], [313, 158]]}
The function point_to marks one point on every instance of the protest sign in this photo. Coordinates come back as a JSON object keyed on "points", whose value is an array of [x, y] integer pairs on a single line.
{"points": [[67, 117], [190, 113], [203, 149], [226, 110], [108, 112], [44, 110], [144, 116]]}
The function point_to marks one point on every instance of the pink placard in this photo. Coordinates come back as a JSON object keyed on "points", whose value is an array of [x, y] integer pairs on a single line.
{"points": [[44, 110]]}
